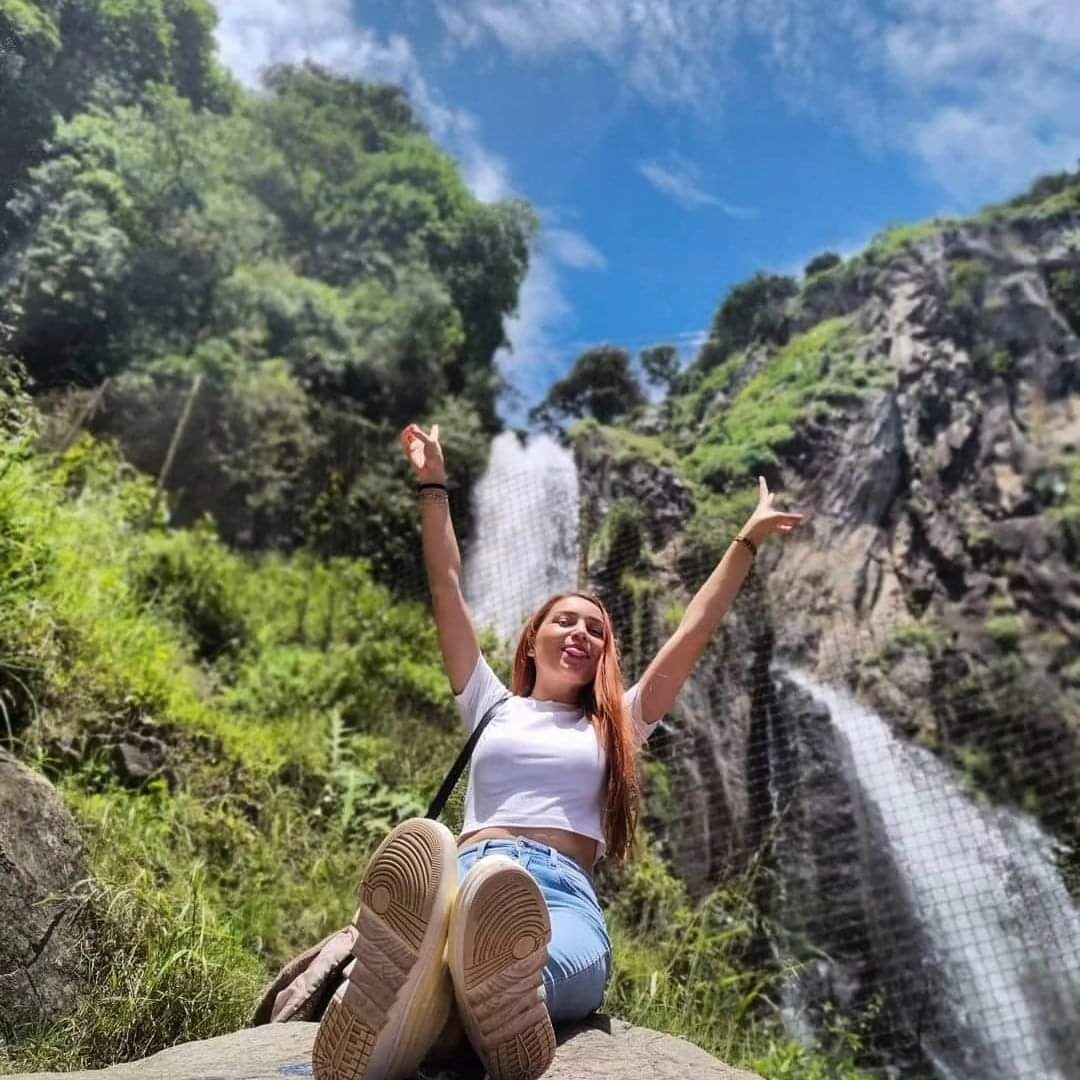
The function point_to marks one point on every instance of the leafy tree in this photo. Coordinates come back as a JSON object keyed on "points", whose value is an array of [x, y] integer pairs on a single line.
{"points": [[601, 385], [59, 56], [135, 222], [752, 311], [362, 193], [661, 365], [308, 251]]}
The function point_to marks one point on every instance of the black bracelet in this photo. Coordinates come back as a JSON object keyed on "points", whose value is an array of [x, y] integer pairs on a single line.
{"points": [[424, 487], [748, 542]]}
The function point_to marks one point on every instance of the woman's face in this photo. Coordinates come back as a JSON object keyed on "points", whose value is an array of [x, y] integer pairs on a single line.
{"points": [[569, 641]]}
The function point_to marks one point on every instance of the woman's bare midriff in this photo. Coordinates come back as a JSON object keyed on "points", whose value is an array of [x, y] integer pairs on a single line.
{"points": [[580, 848]]}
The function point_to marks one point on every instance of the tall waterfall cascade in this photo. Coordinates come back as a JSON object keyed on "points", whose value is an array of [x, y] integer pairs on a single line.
{"points": [[1002, 932], [525, 535]]}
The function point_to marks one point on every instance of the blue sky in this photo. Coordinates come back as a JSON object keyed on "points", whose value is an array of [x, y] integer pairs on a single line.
{"points": [[673, 147]]}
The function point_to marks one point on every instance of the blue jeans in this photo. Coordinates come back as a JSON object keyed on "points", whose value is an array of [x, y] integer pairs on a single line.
{"points": [[579, 955]]}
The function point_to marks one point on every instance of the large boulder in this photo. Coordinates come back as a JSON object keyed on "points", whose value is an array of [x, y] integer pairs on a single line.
{"points": [[42, 862], [605, 1049]]}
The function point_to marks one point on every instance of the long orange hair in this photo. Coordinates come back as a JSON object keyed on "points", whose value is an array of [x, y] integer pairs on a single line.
{"points": [[602, 701]]}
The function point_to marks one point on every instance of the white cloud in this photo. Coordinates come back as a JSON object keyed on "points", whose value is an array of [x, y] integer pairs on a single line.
{"points": [[680, 181], [572, 249], [535, 358], [655, 44], [253, 34], [982, 93]]}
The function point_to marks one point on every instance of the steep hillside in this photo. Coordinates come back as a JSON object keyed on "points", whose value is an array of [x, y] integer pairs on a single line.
{"points": [[921, 403]]}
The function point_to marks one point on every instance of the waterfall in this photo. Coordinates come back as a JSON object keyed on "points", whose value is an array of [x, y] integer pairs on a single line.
{"points": [[1001, 934], [525, 534]]}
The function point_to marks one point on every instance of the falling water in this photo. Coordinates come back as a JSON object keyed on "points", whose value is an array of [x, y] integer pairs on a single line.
{"points": [[1003, 933], [525, 532]]}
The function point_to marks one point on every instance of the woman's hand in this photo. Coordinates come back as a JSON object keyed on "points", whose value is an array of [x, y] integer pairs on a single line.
{"points": [[766, 520], [425, 454]]}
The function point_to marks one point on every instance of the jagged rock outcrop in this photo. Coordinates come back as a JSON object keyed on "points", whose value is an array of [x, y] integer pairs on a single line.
{"points": [[706, 758], [935, 575], [604, 1050], [938, 503], [42, 862]]}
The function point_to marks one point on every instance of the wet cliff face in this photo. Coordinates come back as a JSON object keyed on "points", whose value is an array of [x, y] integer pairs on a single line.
{"points": [[635, 511], [940, 574]]}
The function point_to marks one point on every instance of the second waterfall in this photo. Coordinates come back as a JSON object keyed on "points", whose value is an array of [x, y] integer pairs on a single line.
{"points": [[525, 533]]}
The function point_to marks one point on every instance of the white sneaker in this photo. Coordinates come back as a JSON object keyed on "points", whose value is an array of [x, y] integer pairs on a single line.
{"points": [[497, 949], [390, 1010]]}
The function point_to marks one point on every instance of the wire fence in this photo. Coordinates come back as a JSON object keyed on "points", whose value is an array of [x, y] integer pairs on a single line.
{"points": [[901, 810], [904, 811]]}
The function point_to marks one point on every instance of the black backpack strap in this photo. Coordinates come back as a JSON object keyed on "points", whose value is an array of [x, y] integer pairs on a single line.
{"points": [[437, 804]]}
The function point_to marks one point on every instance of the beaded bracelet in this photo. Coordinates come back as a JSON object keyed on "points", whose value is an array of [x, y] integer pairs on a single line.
{"points": [[748, 542]]}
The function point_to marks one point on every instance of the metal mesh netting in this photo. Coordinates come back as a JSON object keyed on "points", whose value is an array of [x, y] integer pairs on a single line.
{"points": [[893, 812], [904, 818]]}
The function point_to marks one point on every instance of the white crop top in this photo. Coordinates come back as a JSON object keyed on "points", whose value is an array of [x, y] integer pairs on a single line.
{"points": [[538, 763]]}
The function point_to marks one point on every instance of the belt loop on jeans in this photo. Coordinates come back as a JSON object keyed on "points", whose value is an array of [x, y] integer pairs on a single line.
{"points": [[483, 848], [553, 857]]}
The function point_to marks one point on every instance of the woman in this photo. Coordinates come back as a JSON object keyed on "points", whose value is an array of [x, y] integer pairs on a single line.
{"points": [[522, 943]]}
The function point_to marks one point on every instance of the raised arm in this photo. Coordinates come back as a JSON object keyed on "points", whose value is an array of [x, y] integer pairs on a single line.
{"points": [[664, 677], [457, 638]]}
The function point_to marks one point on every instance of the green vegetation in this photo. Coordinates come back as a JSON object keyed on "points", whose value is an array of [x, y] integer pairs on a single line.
{"points": [[1064, 286], [1052, 196], [660, 365], [600, 386], [1006, 631], [817, 368], [623, 446], [307, 251], [923, 637], [1067, 511], [684, 969], [890, 243], [827, 260], [754, 311], [306, 712], [314, 264]]}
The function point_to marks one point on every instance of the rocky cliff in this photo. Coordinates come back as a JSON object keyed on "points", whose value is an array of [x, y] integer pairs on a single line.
{"points": [[931, 430], [921, 402]]}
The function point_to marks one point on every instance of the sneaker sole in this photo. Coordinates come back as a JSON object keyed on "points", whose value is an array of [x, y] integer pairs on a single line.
{"points": [[497, 950], [398, 995]]}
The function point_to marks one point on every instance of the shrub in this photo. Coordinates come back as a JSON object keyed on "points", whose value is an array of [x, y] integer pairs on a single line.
{"points": [[921, 637], [1064, 285], [1006, 631], [819, 263], [755, 310], [968, 280], [194, 579]]}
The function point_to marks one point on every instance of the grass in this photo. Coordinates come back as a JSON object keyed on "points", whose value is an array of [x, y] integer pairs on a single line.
{"points": [[622, 445], [815, 369], [890, 243], [682, 968], [922, 637], [1061, 204]]}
